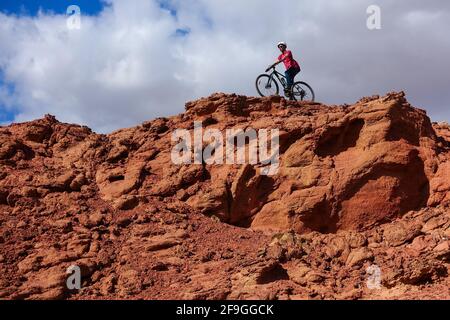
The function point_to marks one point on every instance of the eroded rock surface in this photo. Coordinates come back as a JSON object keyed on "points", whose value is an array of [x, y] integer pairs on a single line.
{"points": [[358, 187]]}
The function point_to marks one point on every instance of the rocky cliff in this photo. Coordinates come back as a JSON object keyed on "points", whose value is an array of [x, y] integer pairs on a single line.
{"points": [[362, 194]]}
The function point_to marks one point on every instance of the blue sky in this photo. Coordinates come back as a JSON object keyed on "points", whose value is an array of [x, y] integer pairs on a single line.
{"points": [[88, 7], [143, 59], [8, 88], [32, 7]]}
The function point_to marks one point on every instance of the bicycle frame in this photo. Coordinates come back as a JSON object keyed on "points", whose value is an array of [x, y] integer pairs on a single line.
{"points": [[279, 76]]}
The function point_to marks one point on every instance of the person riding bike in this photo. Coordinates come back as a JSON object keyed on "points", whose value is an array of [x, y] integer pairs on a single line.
{"points": [[292, 66]]}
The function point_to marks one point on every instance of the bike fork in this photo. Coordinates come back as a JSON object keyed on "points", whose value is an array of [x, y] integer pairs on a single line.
{"points": [[268, 86]]}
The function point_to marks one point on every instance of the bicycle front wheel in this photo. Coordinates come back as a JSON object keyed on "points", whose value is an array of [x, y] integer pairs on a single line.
{"points": [[266, 86], [301, 91]]}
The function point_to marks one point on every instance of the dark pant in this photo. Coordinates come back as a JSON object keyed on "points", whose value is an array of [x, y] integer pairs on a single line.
{"points": [[290, 75]]}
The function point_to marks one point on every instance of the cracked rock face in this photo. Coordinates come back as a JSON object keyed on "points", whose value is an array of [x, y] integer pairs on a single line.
{"points": [[360, 185]]}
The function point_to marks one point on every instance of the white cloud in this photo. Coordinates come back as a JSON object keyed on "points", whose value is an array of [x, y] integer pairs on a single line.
{"points": [[127, 65]]}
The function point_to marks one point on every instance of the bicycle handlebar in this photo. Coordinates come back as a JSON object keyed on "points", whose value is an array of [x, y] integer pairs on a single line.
{"points": [[272, 66]]}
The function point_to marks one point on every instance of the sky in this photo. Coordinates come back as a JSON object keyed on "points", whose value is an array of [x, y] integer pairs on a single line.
{"points": [[133, 60], [32, 7]]}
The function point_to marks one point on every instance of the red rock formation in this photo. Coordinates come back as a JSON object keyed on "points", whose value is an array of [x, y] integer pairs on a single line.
{"points": [[357, 185]]}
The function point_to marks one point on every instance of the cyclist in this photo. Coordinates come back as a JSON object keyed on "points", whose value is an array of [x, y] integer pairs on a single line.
{"points": [[292, 66]]}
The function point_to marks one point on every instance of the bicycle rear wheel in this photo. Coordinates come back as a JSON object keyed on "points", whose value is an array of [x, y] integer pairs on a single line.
{"points": [[301, 91], [267, 86]]}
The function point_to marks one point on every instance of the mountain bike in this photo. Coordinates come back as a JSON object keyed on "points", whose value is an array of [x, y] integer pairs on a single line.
{"points": [[267, 85]]}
